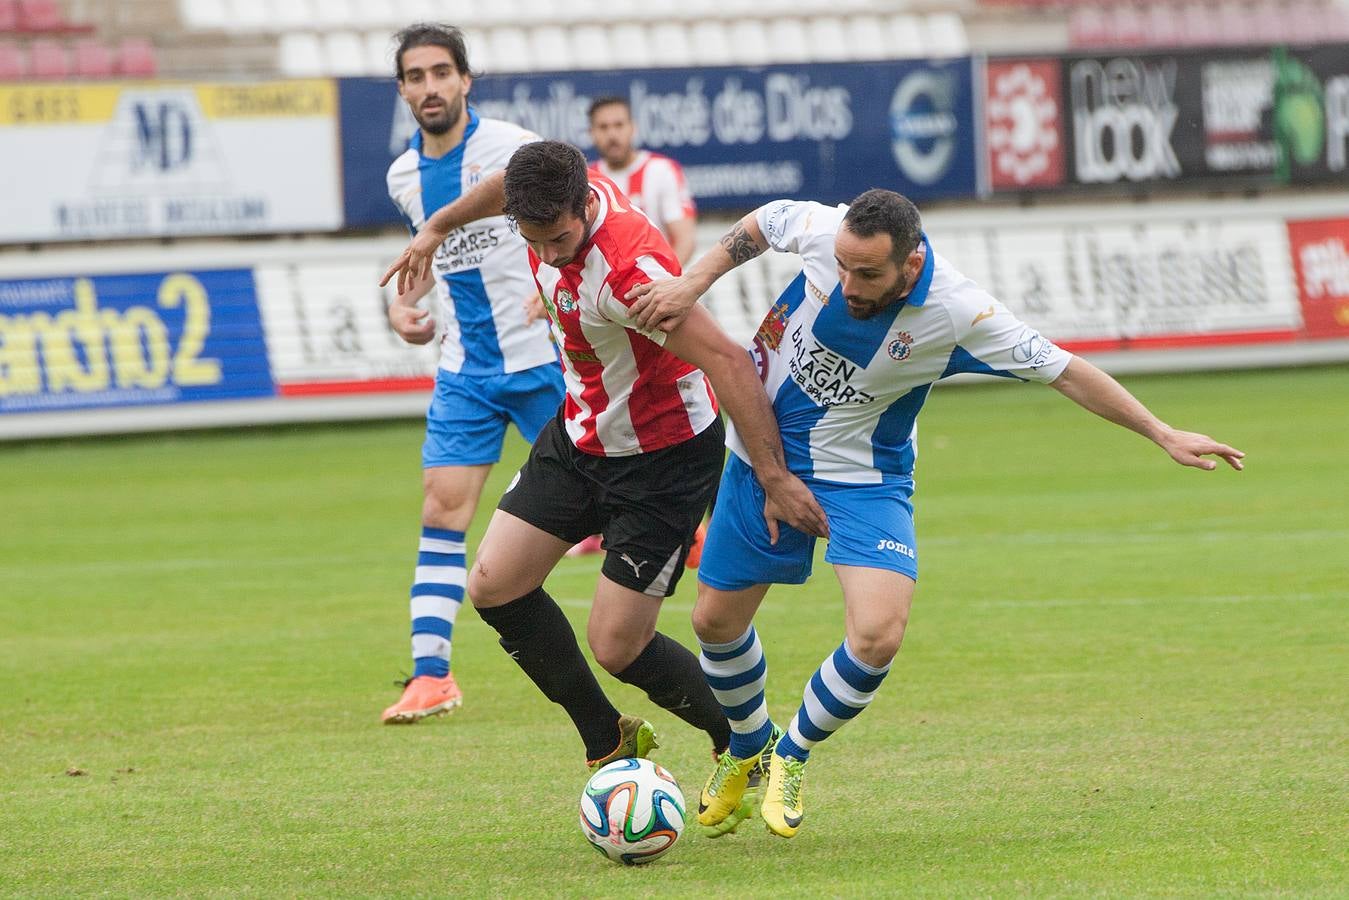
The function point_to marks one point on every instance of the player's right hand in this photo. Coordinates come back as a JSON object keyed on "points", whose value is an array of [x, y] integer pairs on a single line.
{"points": [[534, 309], [662, 304], [412, 324], [789, 500], [414, 264]]}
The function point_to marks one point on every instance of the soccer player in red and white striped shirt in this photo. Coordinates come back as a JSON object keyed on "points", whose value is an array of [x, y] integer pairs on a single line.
{"points": [[634, 454], [654, 183]]}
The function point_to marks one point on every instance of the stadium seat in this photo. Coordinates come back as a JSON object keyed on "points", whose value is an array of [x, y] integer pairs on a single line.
{"points": [[13, 61], [41, 16], [343, 54], [906, 38], [1161, 25], [510, 50], [249, 16], [712, 41], [551, 48], [590, 44], [48, 59], [300, 55], [93, 59], [410, 11], [292, 15], [787, 38], [749, 37], [202, 15], [136, 58], [670, 41], [867, 37], [373, 13], [1199, 25], [379, 49], [9, 16], [827, 38], [946, 36], [479, 51], [1088, 27], [630, 46], [332, 13]]}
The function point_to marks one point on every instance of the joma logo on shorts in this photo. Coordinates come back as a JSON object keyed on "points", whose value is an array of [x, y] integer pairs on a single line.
{"points": [[897, 547]]}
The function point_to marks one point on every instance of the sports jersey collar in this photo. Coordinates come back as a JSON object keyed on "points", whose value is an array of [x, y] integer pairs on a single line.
{"points": [[918, 296], [471, 127]]}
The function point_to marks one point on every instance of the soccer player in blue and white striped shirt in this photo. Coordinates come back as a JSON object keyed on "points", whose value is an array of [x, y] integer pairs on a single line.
{"points": [[848, 354]]}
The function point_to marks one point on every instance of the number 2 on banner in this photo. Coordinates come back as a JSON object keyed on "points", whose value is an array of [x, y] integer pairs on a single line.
{"points": [[188, 369]]}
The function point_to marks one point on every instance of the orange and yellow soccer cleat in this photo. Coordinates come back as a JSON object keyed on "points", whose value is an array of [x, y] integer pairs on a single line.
{"points": [[423, 697]]}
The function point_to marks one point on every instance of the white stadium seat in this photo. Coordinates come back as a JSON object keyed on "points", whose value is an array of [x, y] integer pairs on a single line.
{"points": [[379, 49], [332, 13], [510, 50], [713, 43], [630, 45], [479, 50], [301, 55], [203, 14], [787, 41], [670, 45], [827, 39], [343, 53], [906, 39], [551, 48], [590, 44], [749, 38], [410, 11], [289, 15], [249, 15], [868, 38], [946, 35]]}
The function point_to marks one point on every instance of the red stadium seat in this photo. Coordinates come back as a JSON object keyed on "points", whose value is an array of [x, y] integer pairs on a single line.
{"points": [[49, 59], [94, 59], [41, 16], [13, 62], [136, 58], [9, 15]]}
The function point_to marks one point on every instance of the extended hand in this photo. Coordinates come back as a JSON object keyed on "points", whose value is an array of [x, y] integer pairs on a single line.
{"points": [[534, 309], [1189, 449], [415, 262], [790, 501], [412, 324], [663, 304]]}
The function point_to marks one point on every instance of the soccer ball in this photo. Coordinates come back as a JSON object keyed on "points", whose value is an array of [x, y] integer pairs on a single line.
{"points": [[632, 811]]}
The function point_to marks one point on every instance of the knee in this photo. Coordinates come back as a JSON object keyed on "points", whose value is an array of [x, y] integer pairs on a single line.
{"points": [[614, 655], [443, 501], [711, 625], [481, 588], [879, 642]]}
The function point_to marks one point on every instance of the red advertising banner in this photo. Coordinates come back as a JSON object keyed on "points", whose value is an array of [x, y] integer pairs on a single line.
{"points": [[1320, 250], [1023, 112]]}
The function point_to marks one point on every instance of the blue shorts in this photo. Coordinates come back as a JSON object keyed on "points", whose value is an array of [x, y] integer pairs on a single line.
{"points": [[870, 525], [466, 423]]}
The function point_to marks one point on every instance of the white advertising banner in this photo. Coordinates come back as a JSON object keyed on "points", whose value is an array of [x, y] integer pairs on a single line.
{"points": [[165, 160]]}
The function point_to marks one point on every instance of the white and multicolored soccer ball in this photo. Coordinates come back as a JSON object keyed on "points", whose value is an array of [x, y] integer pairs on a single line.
{"points": [[632, 811]]}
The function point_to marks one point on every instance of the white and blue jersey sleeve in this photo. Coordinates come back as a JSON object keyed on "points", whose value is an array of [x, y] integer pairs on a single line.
{"points": [[482, 272], [847, 392]]}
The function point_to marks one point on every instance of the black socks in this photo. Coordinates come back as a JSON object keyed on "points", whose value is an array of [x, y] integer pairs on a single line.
{"points": [[673, 679]]}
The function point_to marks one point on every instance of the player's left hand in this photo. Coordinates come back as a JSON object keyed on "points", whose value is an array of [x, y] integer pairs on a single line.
{"points": [[662, 304], [789, 500], [414, 264], [1189, 449], [534, 309]]}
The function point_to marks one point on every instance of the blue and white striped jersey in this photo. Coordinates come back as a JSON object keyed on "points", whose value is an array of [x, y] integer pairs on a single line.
{"points": [[482, 270], [847, 391]]}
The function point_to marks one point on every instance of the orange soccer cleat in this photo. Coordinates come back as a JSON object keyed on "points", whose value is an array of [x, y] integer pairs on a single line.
{"points": [[587, 547], [696, 548], [423, 697]]}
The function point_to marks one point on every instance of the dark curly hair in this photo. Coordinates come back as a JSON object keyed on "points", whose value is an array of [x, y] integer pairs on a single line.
{"points": [[879, 211], [431, 34], [544, 179]]}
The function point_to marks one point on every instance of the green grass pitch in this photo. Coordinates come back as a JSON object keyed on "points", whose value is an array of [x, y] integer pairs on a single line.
{"points": [[1121, 677]]}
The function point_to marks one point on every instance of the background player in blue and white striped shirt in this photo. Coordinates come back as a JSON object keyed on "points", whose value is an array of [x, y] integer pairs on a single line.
{"points": [[495, 365], [848, 353]]}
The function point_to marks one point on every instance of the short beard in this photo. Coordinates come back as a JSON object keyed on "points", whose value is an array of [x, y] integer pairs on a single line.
{"points": [[437, 127]]}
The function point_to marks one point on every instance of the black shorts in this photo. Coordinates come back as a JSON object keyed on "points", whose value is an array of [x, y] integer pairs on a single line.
{"points": [[647, 506]]}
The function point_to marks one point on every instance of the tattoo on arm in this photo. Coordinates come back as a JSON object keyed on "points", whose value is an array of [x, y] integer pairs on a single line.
{"points": [[739, 245]]}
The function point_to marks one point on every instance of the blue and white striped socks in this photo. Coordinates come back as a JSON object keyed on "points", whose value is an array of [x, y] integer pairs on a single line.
{"points": [[437, 594], [841, 688], [737, 673]]}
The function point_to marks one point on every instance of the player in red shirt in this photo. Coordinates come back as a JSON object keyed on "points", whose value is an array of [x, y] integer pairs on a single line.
{"points": [[633, 455]]}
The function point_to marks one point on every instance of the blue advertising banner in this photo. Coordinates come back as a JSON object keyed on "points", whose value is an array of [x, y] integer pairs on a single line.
{"points": [[121, 340], [744, 135]]}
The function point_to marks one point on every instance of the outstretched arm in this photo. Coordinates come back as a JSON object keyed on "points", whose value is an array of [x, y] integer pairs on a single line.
{"points": [[664, 304], [1094, 390], [487, 199], [700, 341]]}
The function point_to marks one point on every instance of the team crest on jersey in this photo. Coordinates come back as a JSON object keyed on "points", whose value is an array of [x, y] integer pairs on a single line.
{"points": [[768, 337], [899, 348], [566, 300], [474, 174]]}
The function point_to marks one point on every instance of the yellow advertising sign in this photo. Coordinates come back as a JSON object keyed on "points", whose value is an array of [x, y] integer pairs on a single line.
{"points": [[274, 99], [57, 104]]}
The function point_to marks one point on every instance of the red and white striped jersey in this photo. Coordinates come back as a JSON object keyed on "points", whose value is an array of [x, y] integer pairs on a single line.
{"points": [[626, 394], [655, 184]]}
